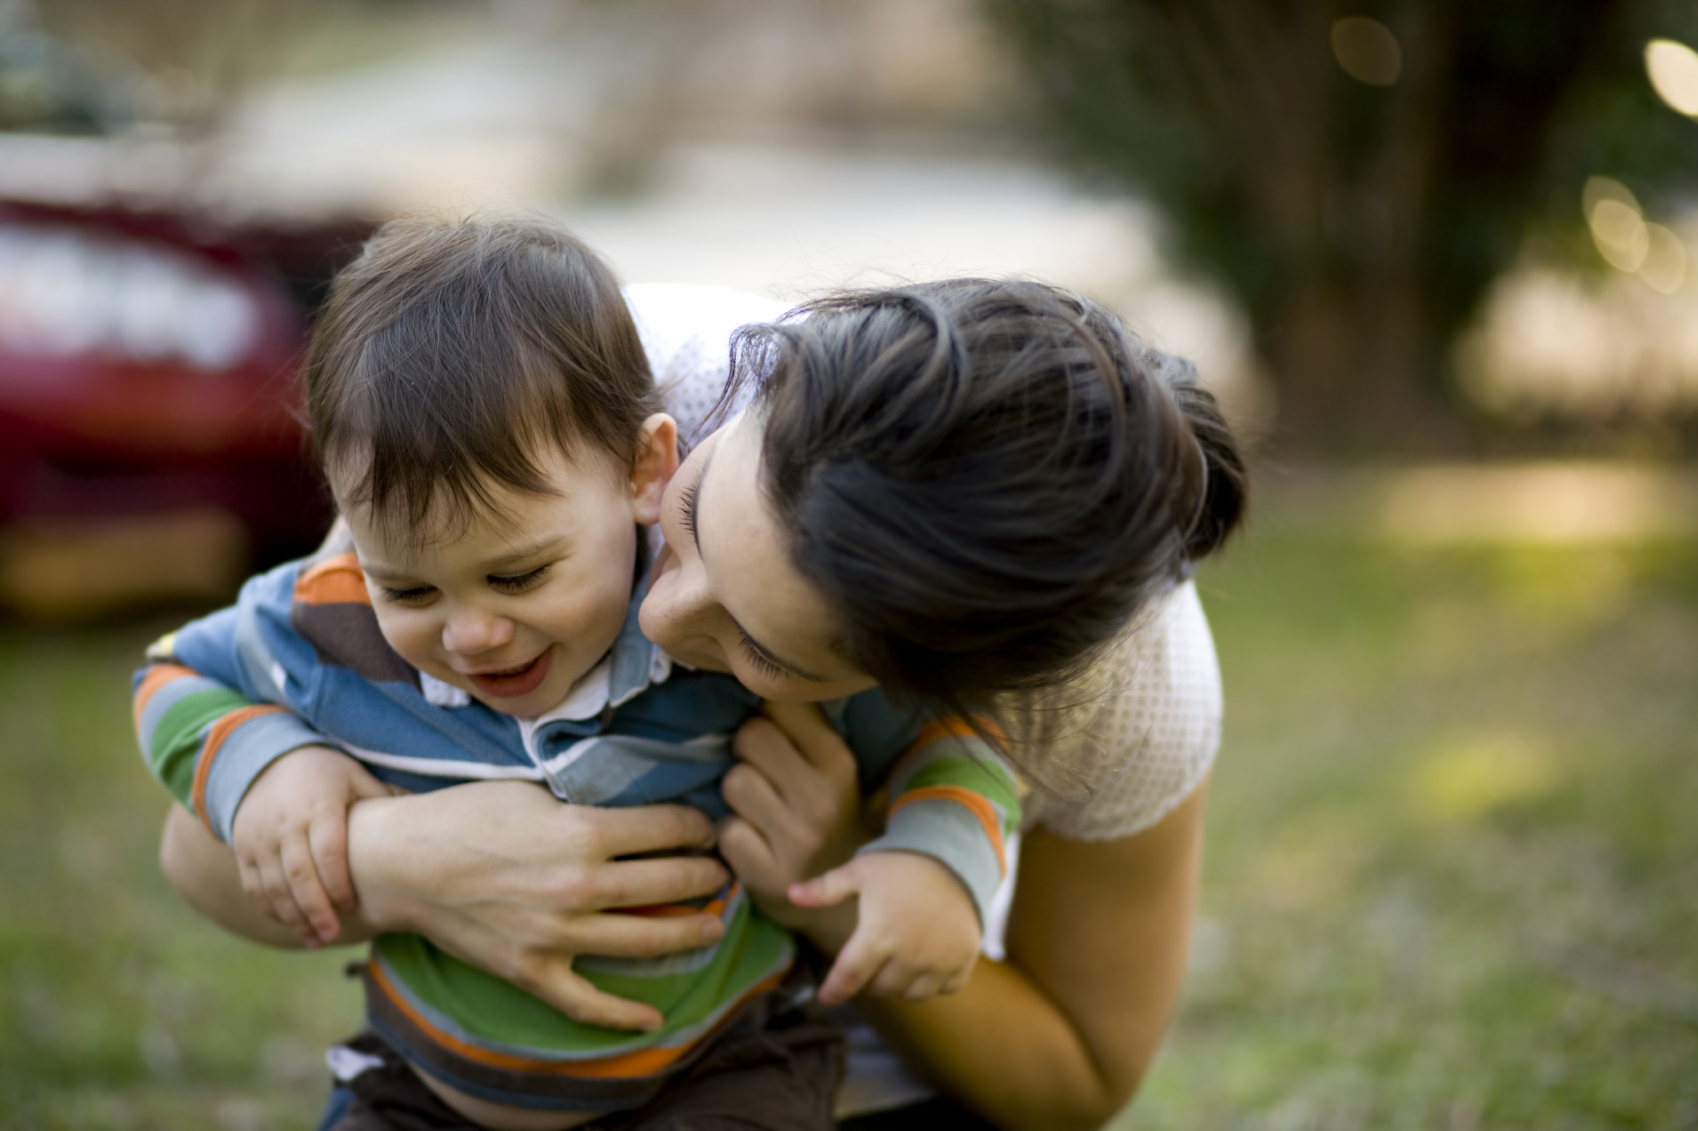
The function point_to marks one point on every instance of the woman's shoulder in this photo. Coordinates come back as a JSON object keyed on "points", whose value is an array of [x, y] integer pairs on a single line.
{"points": [[686, 334], [1141, 729]]}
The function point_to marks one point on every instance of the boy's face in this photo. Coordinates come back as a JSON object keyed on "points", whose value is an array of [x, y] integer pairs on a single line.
{"points": [[521, 602]]}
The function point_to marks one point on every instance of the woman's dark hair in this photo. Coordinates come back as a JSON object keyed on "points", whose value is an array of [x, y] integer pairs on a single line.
{"points": [[986, 479], [450, 356]]}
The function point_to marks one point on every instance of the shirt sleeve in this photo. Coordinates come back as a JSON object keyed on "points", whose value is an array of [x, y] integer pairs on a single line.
{"points": [[203, 729], [1147, 735], [953, 798], [686, 333]]}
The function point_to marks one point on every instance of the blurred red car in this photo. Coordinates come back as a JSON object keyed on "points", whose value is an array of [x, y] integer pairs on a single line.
{"points": [[147, 374]]}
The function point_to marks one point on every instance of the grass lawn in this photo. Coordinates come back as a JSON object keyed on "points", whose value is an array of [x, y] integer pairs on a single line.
{"points": [[1452, 869], [1452, 878]]}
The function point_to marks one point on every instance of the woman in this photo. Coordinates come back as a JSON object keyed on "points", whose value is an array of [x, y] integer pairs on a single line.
{"points": [[985, 496]]}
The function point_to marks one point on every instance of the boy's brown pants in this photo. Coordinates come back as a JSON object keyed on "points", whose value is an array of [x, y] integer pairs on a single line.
{"points": [[762, 1073]]}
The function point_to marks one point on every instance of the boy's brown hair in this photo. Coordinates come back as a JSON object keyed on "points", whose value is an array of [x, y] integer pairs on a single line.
{"points": [[450, 355]]}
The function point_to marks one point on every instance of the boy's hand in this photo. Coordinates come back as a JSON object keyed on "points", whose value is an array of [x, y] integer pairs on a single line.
{"points": [[291, 839], [918, 933]]}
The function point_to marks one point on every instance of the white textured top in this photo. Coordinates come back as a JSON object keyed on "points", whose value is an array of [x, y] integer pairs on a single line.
{"points": [[1147, 722]]}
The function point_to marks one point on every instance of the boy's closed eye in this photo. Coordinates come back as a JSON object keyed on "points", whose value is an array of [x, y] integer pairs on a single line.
{"points": [[509, 583], [518, 583], [416, 595]]}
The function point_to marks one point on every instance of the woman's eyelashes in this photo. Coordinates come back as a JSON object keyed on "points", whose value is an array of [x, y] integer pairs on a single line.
{"points": [[758, 660], [687, 508]]}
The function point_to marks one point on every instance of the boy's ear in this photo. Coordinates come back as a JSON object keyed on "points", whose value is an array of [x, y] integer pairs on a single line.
{"points": [[657, 460]]}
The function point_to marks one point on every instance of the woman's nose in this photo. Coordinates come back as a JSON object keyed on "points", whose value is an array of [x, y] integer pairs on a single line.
{"points": [[470, 631], [674, 601]]}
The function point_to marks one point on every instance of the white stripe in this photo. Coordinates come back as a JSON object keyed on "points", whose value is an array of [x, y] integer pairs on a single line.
{"points": [[569, 755], [442, 768]]}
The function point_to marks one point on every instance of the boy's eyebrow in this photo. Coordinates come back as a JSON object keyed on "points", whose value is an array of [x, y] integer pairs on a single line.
{"points": [[524, 551], [692, 507], [534, 548]]}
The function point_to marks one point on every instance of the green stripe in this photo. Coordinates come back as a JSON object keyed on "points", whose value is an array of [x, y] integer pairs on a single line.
{"points": [[173, 749], [486, 1006], [976, 772]]}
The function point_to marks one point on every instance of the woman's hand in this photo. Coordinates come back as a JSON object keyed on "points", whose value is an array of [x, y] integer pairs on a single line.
{"points": [[798, 814], [511, 880], [499, 874]]}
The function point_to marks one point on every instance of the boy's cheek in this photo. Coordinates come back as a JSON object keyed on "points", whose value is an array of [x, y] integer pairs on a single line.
{"points": [[409, 637]]}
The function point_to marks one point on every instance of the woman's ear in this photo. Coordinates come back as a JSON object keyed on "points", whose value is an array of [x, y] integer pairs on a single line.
{"points": [[657, 460]]}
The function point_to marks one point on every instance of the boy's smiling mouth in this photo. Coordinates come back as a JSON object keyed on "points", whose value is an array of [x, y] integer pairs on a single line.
{"points": [[512, 682]]}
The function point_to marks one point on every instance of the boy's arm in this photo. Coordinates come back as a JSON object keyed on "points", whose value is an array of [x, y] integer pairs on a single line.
{"points": [[257, 775], [206, 741], [924, 888], [953, 798], [211, 712]]}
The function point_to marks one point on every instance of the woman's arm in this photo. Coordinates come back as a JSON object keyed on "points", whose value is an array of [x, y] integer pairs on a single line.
{"points": [[499, 874], [1061, 1033]]}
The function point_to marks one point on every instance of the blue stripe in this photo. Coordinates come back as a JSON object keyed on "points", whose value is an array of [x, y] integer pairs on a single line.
{"points": [[247, 750]]}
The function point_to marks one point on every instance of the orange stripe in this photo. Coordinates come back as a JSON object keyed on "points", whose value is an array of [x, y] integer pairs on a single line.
{"points": [[642, 1062], [976, 805], [222, 729], [944, 728], [334, 581], [157, 676]]}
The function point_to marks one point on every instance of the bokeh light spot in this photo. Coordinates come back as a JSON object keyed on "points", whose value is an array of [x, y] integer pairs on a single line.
{"points": [[1673, 68], [1617, 223], [1469, 775], [1664, 268], [1367, 50], [1620, 234]]}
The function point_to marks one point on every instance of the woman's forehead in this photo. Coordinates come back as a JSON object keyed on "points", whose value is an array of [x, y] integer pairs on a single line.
{"points": [[744, 551]]}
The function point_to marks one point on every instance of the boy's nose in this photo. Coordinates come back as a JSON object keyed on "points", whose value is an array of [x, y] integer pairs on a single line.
{"points": [[470, 631]]}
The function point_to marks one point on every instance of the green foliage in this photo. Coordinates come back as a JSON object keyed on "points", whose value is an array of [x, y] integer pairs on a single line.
{"points": [[1359, 224]]}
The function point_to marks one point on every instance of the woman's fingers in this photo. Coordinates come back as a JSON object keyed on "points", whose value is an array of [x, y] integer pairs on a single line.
{"points": [[637, 883], [630, 832], [751, 795], [761, 744], [557, 984], [616, 935], [805, 726], [750, 856]]}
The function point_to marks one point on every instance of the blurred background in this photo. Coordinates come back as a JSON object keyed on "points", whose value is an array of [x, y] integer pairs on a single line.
{"points": [[1439, 260]]}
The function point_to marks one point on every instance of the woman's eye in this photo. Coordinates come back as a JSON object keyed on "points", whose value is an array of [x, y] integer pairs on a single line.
{"points": [[416, 596], [518, 583], [687, 509], [760, 663]]}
